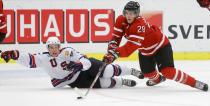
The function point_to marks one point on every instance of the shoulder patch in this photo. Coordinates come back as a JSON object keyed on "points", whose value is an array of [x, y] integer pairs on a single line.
{"points": [[68, 53]]}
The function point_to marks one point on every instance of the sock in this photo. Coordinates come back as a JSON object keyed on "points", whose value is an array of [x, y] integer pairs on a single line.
{"points": [[178, 76]]}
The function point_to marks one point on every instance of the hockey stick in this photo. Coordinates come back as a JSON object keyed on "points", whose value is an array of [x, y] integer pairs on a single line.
{"points": [[0, 53], [81, 96]]}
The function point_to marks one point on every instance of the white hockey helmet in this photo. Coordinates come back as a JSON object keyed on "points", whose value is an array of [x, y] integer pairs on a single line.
{"points": [[53, 40]]}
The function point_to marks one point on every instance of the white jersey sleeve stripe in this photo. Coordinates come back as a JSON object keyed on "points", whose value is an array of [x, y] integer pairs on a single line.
{"points": [[116, 35], [149, 48], [136, 43], [156, 48], [136, 36], [117, 29], [5, 25]]}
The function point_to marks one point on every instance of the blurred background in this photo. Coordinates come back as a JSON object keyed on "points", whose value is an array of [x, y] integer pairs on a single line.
{"points": [[86, 25]]}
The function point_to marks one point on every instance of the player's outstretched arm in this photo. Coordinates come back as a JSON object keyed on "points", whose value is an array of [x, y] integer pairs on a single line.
{"points": [[123, 51], [26, 59]]}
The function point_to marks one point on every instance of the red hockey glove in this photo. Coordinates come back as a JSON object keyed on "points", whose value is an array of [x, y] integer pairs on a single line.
{"points": [[204, 3], [7, 55], [112, 45], [74, 66], [111, 56]]}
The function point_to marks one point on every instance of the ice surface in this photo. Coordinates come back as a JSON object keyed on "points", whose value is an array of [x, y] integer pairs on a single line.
{"points": [[20, 86]]}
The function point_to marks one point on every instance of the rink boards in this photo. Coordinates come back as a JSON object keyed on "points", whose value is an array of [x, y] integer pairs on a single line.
{"points": [[189, 34]]}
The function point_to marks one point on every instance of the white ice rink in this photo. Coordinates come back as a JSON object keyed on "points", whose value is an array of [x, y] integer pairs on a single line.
{"points": [[21, 86]]}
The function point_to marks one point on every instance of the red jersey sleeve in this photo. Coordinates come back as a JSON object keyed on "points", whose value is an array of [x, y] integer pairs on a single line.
{"points": [[134, 40], [127, 49], [118, 29]]}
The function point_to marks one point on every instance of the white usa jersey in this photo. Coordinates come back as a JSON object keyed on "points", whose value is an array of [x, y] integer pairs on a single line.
{"points": [[56, 66]]}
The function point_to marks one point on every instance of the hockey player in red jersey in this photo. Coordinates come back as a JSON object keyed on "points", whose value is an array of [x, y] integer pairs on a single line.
{"points": [[3, 24], [153, 46]]}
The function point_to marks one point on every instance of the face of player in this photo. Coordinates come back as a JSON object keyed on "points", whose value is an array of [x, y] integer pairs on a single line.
{"points": [[54, 50], [130, 16]]}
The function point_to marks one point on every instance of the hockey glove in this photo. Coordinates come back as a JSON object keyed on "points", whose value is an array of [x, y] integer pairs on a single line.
{"points": [[111, 56], [112, 45], [74, 66], [204, 3], [7, 55]]}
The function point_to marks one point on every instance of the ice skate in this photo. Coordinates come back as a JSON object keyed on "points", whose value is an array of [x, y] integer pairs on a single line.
{"points": [[129, 82], [152, 83], [137, 73], [202, 86]]}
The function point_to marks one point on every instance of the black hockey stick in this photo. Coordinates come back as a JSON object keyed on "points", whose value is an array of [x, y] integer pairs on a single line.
{"points": [[0, 53], [81, 96]]}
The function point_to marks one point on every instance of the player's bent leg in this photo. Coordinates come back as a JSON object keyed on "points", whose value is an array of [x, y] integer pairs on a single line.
{"points": [[120, 70], [116, 82], [154, 78], [181, 77]]}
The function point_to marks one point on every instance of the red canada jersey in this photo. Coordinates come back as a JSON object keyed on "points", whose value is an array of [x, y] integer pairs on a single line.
{"points": [[3, 24], [140, 35]]}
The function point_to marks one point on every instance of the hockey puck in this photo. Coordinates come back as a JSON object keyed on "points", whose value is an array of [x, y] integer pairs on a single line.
{"points": [[79, 97]]}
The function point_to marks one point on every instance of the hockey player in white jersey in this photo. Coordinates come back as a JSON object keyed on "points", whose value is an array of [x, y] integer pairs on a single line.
{"points": [[67, 66]]}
